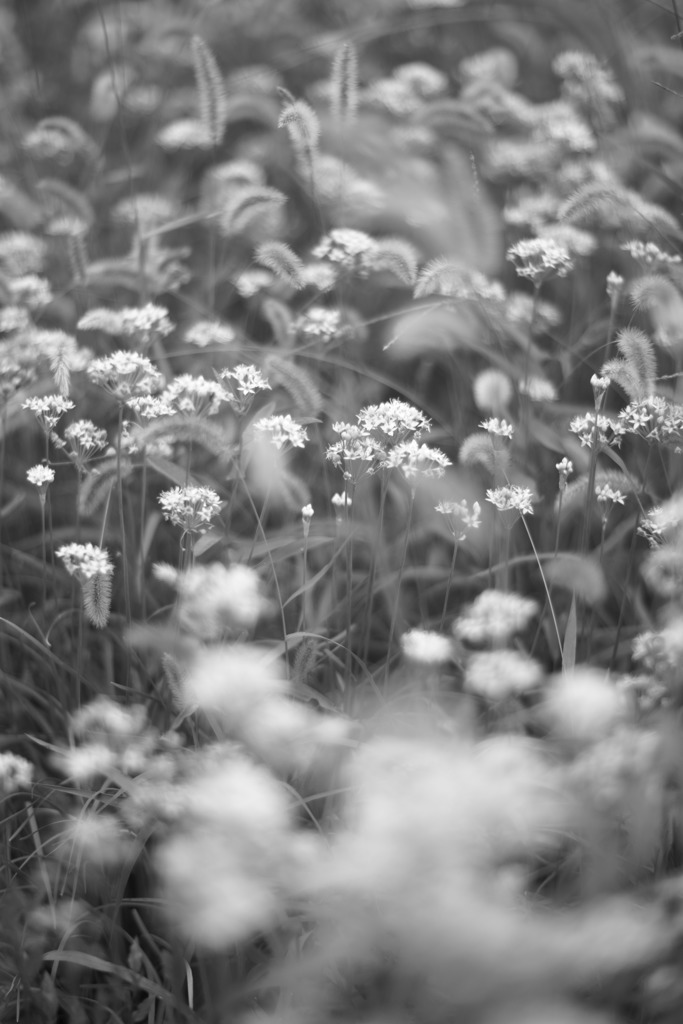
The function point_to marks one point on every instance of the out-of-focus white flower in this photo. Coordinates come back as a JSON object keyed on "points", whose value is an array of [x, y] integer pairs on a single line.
{"points": [[497, 675], [231, 681], [495, 617], [40, 476], [493, 391], [583, 706], [426, 647], [192, 507], [215, 598]]}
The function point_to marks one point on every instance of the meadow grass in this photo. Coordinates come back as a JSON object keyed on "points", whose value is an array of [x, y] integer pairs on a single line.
{"points": [[341, 530]]}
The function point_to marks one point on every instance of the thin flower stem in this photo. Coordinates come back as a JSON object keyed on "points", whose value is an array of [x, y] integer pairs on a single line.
{"points": [[122, 522], [590, 491], [349, 595], [449, 583], [373, 566], [304, 581], [79, 654], [44, 549], [399, 581], [545, 583], [141, 551]]}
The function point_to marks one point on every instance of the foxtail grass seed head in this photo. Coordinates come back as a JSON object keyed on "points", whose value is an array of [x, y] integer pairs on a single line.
{"points": [[191, 508]]}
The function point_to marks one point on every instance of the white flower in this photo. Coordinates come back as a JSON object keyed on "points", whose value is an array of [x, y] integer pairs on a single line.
{"points": [[497, 675], [231, 681], [125, 375], [583, 706], [242, 384], [512, 498], [282, 430], [538, 258], [495, 617], [208, 332], [415, 459], [215, 598], [85, 561], [492, 390], [48, 410], [191, 507], [394, 421], [40, 476], [426, 647], [501, 428]]}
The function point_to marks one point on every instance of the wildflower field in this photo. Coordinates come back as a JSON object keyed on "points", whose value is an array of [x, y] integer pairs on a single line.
{"points": [[341, 511]]}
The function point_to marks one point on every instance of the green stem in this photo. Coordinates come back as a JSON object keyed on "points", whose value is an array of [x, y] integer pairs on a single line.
{"points": [[373, 566], [122, 522], [397, 601], [545, 583], [449, 583]]}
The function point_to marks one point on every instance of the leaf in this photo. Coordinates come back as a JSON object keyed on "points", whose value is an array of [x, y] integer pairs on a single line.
{"points": [[569, 643]]}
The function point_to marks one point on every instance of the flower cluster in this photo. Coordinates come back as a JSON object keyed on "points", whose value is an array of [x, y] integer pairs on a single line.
{"points": [[48, 410], [208, 332], [191, 508], [82, 441], [242, 384], [415, 459], [654, 418], [494, 618], [195, 396], [512, 498], [282, 431], [540, 258], [593, 426], [460, 517], [85, 561], [143, 323], [125, 375], [347, 248], [16, 773]]}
